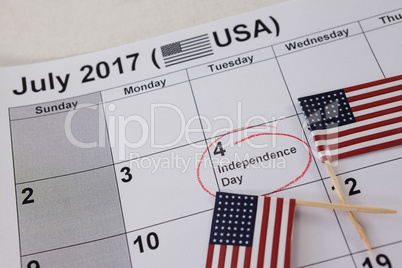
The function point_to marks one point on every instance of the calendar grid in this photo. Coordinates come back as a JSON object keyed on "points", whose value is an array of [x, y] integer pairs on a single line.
{"points": [[189, 81]]}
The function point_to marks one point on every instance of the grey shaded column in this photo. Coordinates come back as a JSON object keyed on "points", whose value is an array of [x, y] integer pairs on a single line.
{"points": [[69, 209]]}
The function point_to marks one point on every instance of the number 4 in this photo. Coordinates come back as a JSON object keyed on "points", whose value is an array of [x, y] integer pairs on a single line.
{"points": [[219, 149]]}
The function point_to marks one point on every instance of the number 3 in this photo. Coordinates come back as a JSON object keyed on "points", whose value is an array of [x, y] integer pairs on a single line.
{"points": [[126, 171]]}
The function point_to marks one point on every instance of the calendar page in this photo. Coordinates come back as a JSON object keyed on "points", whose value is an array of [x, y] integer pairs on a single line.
{"points": [[114, 158]]}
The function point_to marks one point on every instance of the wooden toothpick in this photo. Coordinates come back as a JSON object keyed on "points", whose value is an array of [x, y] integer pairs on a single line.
{"points": [[345, 207], [342, 197]]}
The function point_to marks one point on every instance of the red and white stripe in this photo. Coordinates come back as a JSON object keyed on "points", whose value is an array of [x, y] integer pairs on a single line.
{"points": [[271, 241], [377, 107]]}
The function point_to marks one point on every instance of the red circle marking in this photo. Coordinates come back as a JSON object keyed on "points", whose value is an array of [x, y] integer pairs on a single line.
{"points": [[253, 136]]}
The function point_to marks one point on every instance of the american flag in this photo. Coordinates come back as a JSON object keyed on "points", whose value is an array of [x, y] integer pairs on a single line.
{"points": [[186, 50], [356, 120], [250, 231]]}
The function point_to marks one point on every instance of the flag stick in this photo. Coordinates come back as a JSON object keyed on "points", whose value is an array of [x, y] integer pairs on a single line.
{"points": [[342, 197], [345, 207]]}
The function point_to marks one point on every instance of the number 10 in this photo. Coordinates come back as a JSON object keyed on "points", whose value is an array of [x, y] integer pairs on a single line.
{"points": [[152, 241]]}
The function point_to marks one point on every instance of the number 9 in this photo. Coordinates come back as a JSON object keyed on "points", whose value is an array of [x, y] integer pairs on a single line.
{"points": [[33, 264]]}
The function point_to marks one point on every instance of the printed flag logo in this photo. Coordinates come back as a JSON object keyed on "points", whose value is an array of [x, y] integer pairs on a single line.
{"points": [[356, 120], [187, 50], [250, 231]]}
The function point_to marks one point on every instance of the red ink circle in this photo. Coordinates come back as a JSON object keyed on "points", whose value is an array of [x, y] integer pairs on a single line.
{"points": [[253, 136]]}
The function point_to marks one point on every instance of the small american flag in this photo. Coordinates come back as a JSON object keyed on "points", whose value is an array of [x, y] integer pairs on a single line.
{"points": [[356, 120], [250, 231], [186, 50]]}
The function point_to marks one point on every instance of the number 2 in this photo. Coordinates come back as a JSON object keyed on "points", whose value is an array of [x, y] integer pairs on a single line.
{"points": [[27, 199], [86, 77], [353, 189]]}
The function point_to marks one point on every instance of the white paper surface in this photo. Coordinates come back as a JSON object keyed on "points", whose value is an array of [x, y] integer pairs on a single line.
{"points": [[108, 164]]}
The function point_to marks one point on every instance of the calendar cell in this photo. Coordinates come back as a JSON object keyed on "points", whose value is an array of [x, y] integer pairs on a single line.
{"points": [[60, 142], [364, 190], [162, 184], [353, 54], [263, 159], [149, 247], [152, 122], [386, 44], [384, 256], [242, 97], [68, 210]]}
